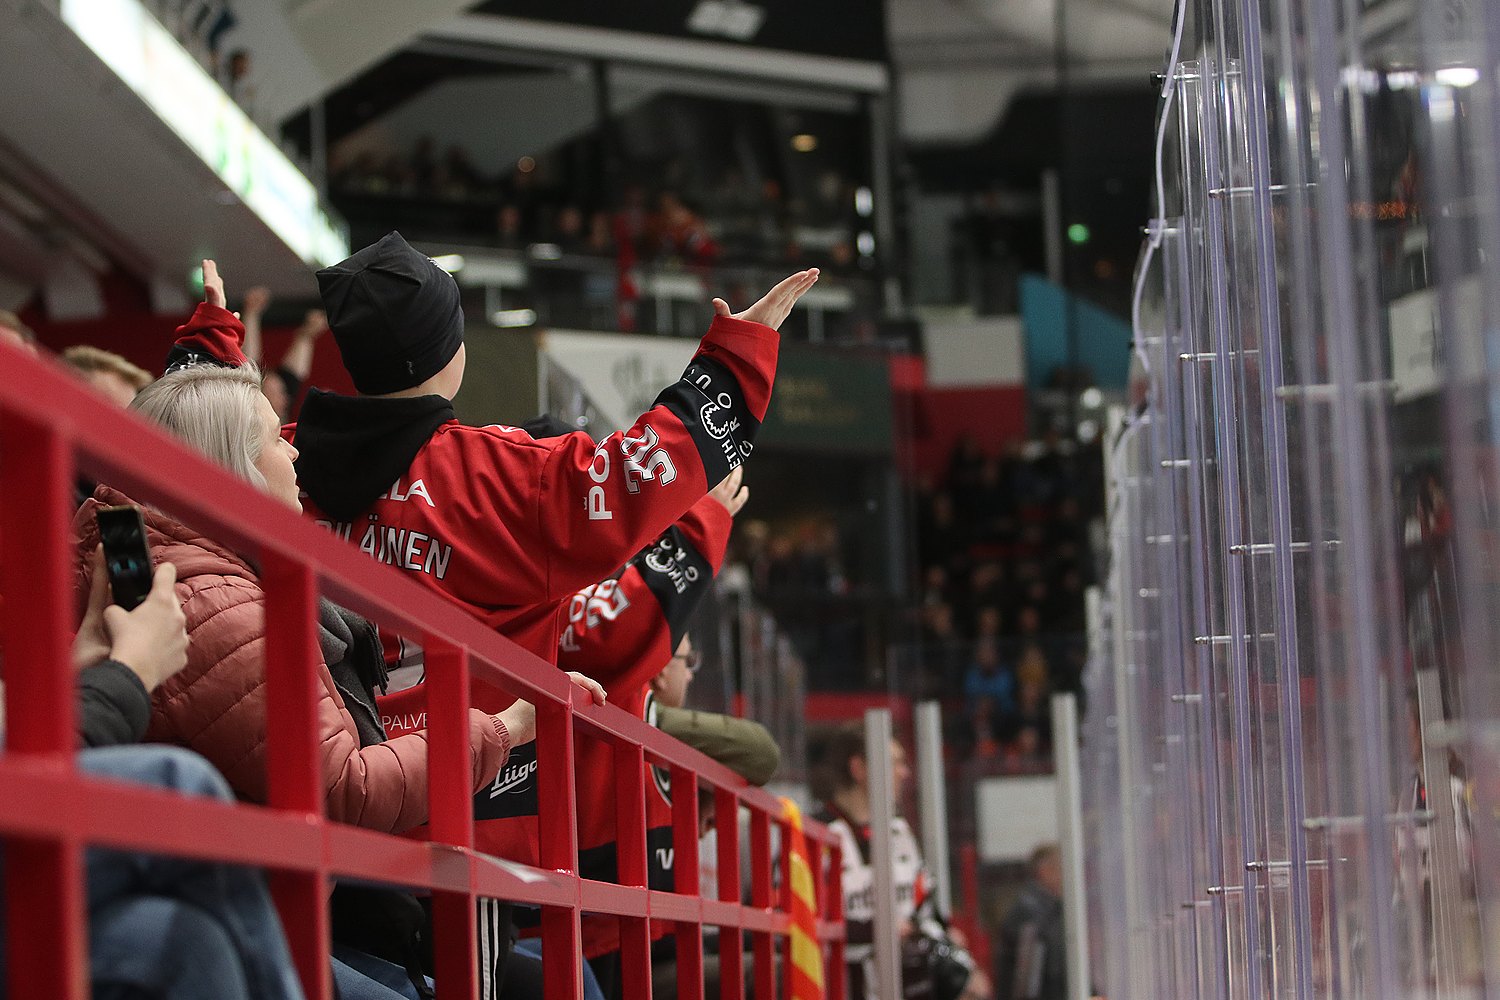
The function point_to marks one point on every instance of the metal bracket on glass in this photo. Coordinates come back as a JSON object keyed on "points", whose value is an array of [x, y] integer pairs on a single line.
{"points": [[1265, 548], [1220, 890], [1224, 640], [1186, 699], [1213, 356], [1421, 817], [1164, 539], [1327, 392], [1194, 904], [1260, 866], [1185, 74], [1221, 192], [1177, 463]]}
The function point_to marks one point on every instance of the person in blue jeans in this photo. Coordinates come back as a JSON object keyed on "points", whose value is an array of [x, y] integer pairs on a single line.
{"points": [[165, 928], [168, 928], [176, 927]]}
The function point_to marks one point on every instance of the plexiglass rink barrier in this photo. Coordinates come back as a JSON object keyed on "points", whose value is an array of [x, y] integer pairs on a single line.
{"points": [[1291, 748]]}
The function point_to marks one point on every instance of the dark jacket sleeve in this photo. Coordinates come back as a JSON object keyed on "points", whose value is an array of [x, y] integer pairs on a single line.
{"points": [[113, 705]]}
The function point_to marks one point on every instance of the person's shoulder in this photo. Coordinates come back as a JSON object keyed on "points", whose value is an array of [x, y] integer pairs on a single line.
{"points": [[497, 435]]}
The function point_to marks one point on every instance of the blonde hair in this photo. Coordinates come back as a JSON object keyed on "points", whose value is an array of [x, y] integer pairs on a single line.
{"points": [[87, 360], [215, 410]]}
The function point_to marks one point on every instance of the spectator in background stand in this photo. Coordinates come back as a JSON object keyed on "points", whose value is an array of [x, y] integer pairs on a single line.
{"points": [[107, 372], [567, 229], [112, 375], [743, 746], [940, 538], [1031, 960], [508, 228], [282, 384], [989, 690], [846, 811], [237, 82], [601, 240], [13, 331]]}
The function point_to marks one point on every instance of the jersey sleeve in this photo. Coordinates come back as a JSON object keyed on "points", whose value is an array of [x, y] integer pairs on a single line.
{"points": [[621, 631], [582, 510], [212, 335]]}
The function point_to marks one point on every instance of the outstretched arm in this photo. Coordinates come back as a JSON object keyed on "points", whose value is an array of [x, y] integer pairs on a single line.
{"points": [[599, 504], [623, 630], [257, 299], [299, 357]]}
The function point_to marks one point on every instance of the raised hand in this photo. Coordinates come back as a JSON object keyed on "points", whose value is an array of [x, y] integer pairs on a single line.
{"points": [[314, 324], [257, 300], [213, 285], [730, 493], [151, 640], [774, 307]]}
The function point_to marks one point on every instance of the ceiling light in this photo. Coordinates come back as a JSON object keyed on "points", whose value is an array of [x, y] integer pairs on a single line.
{"points": [[450, 262], [1457, 76], [526, 164], [513, 317], [865, 243], [864, 202], [727, 18], [804, 142]]}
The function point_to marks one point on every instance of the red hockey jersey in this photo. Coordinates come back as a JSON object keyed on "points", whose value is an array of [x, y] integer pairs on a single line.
{"points": [[621, 631], [508, 527]]}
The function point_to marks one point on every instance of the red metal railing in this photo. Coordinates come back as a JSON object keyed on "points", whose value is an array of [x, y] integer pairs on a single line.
{"points": [[49, 426]]}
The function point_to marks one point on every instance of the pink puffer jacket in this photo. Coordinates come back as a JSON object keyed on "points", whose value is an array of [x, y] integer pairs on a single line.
{"points": [[217, 704]]}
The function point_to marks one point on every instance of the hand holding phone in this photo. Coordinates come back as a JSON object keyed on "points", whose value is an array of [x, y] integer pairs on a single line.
{"points": [[144, 627], [127, 557]]}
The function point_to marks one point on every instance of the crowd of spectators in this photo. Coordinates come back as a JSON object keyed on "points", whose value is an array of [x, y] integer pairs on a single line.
{"points": [[1005, 558], [206, 29], [728, 220]]}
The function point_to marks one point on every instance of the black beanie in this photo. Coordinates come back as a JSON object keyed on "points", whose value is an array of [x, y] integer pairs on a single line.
{"points": [[395, 315]]}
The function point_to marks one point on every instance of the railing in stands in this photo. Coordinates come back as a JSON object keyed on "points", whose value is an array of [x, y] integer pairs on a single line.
{"points": [[51, 426]]}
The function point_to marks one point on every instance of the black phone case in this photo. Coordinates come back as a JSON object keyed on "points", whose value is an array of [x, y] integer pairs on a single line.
{"points": [[127, 557]]}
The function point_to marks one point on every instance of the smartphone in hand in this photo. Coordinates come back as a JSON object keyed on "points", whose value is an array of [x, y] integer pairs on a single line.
{"points": [[127, 557]]}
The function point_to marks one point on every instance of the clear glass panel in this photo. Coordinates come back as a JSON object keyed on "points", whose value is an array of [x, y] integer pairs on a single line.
{"points": [[1299, 636]]}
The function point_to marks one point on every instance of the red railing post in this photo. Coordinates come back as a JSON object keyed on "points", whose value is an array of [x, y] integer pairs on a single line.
{"points": [[763, 942], [51, 814], [293, 763], [687, 880], [630, 857], [47, 953], [450, 810], [836, 976], [786, 906], [557, 809], [731, 953]]}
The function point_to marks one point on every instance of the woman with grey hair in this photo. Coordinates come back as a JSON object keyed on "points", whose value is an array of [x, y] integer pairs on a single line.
{"points": [[217, 704]]}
